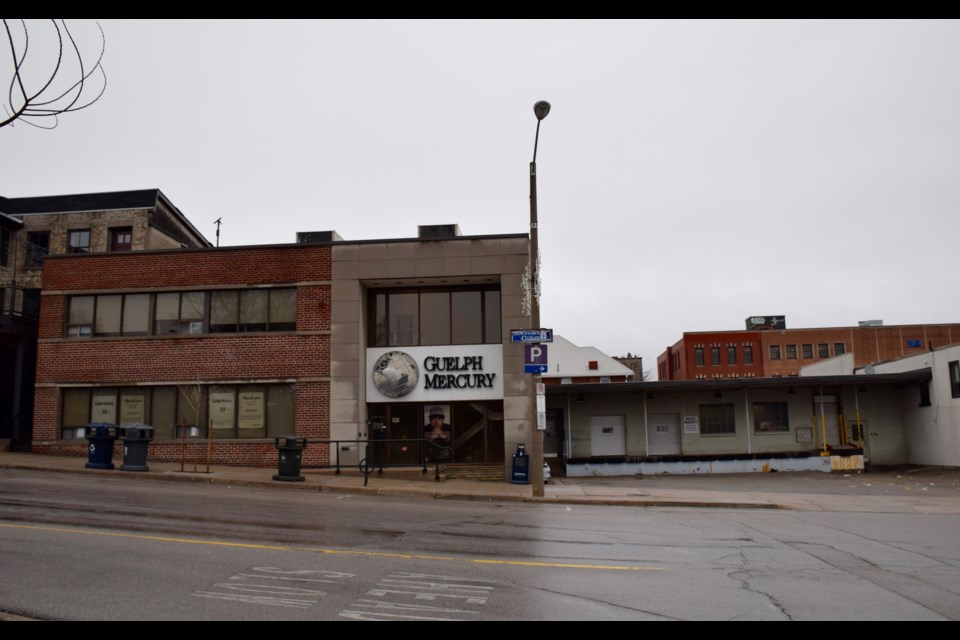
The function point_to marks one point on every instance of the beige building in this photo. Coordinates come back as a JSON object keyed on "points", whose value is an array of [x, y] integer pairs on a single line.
{"points": [[420, 328]]}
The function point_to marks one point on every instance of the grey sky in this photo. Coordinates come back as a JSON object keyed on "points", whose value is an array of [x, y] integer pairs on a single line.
{"points": [[691, 173]]}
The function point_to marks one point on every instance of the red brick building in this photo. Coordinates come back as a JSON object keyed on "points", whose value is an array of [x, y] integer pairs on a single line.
{"points": [[245, 328], [758, 353]]}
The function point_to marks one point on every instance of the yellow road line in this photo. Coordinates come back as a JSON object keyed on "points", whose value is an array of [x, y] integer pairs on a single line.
{"points": [[368, 554]]}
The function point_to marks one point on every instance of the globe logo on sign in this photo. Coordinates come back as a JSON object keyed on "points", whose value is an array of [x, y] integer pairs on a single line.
{"points": [[395, 374]]}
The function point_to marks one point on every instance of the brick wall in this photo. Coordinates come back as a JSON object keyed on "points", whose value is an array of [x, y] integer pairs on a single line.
{"points": [[302, 356], [224, 267]]}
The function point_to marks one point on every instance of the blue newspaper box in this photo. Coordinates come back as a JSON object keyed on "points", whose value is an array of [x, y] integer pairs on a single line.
{"points": [[521, 466]]}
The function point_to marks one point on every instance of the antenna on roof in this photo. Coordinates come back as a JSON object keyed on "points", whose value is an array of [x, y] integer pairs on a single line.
{"points": [[218, 222]]}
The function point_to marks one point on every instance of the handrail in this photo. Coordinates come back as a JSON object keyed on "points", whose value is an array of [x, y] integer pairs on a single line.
{"points": [[376, 459], [12, 300]]}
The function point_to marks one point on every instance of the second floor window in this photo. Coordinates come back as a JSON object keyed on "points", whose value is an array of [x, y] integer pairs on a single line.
{"points": [[78, 241], [434, 316], [180, 313], [121, 239], [38, 246]]}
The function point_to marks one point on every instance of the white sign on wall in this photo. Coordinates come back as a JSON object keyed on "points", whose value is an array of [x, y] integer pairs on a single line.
{"points": [[691, 424], [435, 374]]}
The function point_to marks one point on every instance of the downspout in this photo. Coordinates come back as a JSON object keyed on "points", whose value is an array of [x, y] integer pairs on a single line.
{"points": [[567, 445], [823, 424], [746, 412], [646, 428]]}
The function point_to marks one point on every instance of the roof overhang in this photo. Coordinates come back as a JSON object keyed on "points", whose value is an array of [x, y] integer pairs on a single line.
{"points": [[905, 379]]}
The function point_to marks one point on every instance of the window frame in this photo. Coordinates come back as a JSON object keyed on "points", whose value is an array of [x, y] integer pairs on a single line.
{"points": [[78, 247], [717, 424], [384, 319], [775, 352], [953, 371], [775, 411]]}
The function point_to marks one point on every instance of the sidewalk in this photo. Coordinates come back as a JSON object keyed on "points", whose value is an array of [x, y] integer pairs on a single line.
{"points": [[909, 490]]}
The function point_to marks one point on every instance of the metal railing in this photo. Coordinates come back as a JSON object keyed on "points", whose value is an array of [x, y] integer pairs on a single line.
{"points": [[13, 302], [418, 453]]}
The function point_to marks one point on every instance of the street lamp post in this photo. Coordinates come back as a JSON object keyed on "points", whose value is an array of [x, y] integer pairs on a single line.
{"points": [[540, 109]]}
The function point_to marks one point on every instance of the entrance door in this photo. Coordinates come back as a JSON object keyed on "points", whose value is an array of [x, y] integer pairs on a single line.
{"points": [[608, 436], [664, 434], [830, 423]]}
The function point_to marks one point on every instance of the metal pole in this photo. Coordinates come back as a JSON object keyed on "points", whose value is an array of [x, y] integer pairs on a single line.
{"points": [[536, 436]]}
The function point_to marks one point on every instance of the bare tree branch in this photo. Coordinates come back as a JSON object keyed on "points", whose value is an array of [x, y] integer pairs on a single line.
{"points": [[24, 104]]}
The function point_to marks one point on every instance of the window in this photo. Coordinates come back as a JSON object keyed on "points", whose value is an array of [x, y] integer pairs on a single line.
{"points": [[823, 350], [434, 316], [78, 241], [108, 315], [184, 313], [774, 352], [717, 419], [698, 356], [179, 313], [770, 417], [954, 368], [235, 411], [791, 352], [731, 355], [807, 351], [838, 349], [38, 246], [80, 317], [747, 354], [715, 356], [121, 239], [4, 247], [925, 394]]}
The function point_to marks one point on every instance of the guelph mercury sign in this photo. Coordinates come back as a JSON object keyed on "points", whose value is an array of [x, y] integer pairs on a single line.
{"points": [[424, 374]]}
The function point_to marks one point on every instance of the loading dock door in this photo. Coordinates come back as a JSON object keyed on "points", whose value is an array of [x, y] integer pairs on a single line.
{"points": [[664, 434], [608, 436]]}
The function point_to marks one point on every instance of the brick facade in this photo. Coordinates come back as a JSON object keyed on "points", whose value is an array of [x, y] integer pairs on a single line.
{"points": [[781, 353], [300, 358]]}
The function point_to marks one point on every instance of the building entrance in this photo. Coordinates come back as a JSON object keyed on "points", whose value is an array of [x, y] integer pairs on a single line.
{"points": [[473, 431]]}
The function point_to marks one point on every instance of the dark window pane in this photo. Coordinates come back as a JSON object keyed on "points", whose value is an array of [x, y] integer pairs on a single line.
{"points": [[747, 354], [279, 410], [379, 320], [823, 350], [731, 355], [467, 317], [136, 314], [403, 318], [163, 413], [434, 317], [253, 310], [224, 311], [107, 322], [491, 317], [769, 417], [283, 309]]}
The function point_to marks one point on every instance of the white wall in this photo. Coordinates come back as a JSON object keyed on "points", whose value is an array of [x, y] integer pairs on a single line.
{"points": [[932, 433]]}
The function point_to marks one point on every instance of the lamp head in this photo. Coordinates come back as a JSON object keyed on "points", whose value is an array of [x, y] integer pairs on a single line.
{"points": [[541, 109]]}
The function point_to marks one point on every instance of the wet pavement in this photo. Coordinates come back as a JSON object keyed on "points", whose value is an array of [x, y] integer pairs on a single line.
{"points": [[889, 490]]}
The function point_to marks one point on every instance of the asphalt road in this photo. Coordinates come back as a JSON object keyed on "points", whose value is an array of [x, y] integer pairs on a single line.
{"points": [[87, 547]]}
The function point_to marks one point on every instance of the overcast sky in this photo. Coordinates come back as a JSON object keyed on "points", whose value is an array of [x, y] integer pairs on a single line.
{"points": [[691, 173]]}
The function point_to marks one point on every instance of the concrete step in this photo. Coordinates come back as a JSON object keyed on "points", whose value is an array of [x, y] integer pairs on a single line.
{"points": [[490, 472]]}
